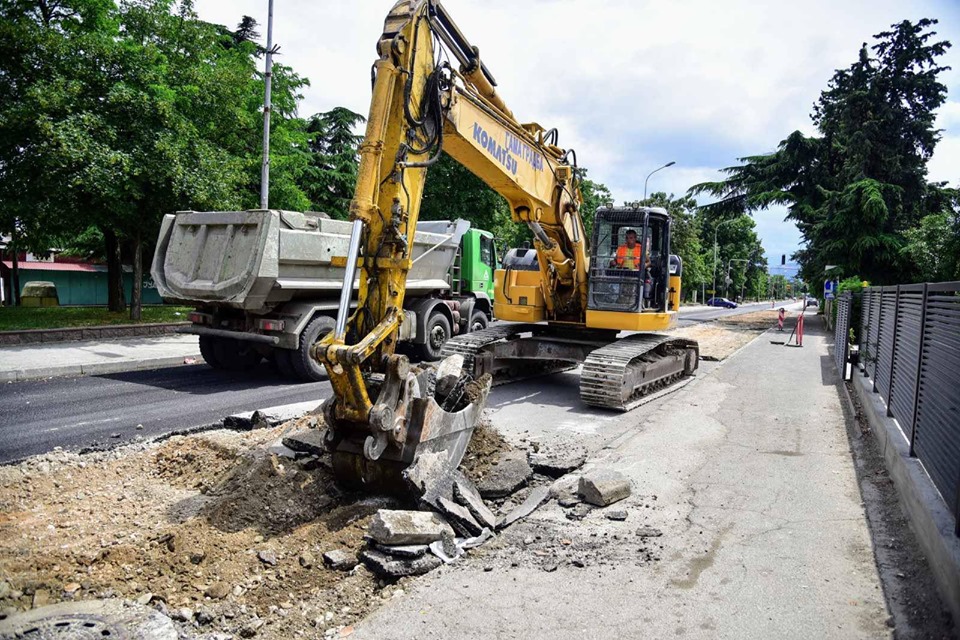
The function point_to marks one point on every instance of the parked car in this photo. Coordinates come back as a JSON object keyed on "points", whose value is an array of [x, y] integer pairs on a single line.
{"points": [[721, 302], [811, 302]]}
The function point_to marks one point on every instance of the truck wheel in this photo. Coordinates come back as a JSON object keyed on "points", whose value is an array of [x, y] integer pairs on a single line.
{"points": [[236, 355], [306, 367], [208, 351], [478, 321], [438, 332]]}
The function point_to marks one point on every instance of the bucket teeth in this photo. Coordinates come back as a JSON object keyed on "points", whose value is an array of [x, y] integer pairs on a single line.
{"points": [[436, 411]]}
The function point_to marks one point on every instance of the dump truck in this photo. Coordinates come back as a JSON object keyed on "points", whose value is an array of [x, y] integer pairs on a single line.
{"points": [[268, 283]]}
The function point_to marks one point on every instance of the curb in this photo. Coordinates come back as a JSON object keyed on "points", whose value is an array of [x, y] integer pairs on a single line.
{"points": [[96, 368], [100, 332], [928, 515]]}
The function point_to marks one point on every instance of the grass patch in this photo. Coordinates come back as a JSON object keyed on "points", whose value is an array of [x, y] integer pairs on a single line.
{"points": [[19, 318]]}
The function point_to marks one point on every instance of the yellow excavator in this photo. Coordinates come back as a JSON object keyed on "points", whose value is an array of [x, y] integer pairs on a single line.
{"points": [[561, 303]]}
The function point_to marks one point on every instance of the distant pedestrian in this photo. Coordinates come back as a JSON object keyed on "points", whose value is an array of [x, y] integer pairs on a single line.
{"points": [[780, 317]]}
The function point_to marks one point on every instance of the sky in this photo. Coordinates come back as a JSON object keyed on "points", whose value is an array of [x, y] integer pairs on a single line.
{"points": [[631, 84]]}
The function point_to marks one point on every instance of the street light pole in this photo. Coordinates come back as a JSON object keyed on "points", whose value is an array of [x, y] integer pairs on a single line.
{"points": [[267, 108], [715, 229], [669, 164]]}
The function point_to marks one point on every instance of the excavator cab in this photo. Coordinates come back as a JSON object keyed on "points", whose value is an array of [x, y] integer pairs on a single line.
{"points": [[630, 263]]}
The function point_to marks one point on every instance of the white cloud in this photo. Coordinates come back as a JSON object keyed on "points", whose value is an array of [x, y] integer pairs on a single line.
{"points": [[631, 84]]}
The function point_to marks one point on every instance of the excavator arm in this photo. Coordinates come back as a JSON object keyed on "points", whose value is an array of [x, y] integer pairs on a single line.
{"points": [[422, 105]]}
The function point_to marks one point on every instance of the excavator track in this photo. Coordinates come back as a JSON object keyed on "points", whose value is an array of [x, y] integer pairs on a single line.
{"points": [[634, 370], [472, 345]]}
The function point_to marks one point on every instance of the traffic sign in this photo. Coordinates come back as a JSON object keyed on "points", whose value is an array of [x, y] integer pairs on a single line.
{"points": [[829, 289]]}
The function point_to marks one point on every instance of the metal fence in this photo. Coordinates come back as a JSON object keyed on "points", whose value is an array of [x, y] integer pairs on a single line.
{"points": [[909, 346]]}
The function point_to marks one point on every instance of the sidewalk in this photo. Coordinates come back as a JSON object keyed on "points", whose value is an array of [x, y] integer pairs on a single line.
{"points": [[748, 475], [30, 362]]}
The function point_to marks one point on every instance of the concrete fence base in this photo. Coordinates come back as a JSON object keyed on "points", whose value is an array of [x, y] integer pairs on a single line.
{"points": [[106, 332]]}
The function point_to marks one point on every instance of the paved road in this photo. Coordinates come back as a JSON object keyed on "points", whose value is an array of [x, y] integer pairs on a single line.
{"points": [[86, 411], [705, 314]]}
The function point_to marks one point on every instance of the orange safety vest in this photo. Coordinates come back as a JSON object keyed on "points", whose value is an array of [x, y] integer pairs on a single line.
{"points": [[634, 260]]}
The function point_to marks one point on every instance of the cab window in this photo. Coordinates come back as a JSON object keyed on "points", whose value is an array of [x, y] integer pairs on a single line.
{"points": [[486, 251]]}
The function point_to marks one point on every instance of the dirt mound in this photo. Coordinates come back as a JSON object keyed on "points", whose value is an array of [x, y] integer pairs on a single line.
{"points": [[485, 448], [209, 528]]}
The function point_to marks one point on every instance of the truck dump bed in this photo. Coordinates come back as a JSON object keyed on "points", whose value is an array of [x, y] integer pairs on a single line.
{"points": [[255, 260]]}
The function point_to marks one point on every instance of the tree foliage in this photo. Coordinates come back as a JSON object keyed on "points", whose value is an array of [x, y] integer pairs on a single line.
{"points": [[855, 189], [334, 148]]}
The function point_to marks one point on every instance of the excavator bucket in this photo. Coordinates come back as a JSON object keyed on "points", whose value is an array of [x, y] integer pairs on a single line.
{"points": [[427, 413]]}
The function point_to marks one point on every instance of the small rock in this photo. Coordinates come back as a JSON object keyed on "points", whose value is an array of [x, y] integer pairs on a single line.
{"points": [[890, 622], [204, 616], [579, 512], [577, 562], [528, 540], [197, 556], [649, 532], [139, 427], [238, 590], [394, 527], [619, 515], [550, 567], [183, 614], [114, 435], [267, 557], [339, 560], [71, 587], [41, 597], [306, 560], [144, 598], [448, 374], [567, 501], [250, 629], [602, 487], [217, 591], [4, 589], [488, 568]]}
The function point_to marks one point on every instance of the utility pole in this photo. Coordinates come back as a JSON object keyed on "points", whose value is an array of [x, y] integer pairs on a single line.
{"points": [[268, 81], [669, 164], [715, 229]]}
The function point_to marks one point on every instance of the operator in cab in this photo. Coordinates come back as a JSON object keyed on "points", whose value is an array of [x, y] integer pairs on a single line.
{"points": [[628, 255]]}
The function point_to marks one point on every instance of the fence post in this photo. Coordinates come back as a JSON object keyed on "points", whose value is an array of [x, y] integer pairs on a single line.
{"points": [[876, 347], [865, 301], [893, 351], [916, 388]]}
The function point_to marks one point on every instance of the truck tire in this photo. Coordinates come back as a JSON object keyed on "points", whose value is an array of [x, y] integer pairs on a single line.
{"points": [[306, 367], [235, 355], [438, 332], [478, 321], [208, 351]]}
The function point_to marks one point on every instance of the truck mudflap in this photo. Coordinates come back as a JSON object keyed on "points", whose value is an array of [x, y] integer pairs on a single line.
{"points": [[422, 422]]}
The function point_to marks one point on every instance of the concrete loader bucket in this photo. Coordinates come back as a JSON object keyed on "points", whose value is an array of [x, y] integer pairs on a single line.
{"points": [[418, 443]]}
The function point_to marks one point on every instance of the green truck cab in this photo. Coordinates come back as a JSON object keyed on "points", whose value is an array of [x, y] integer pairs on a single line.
{"points": [[478, 262]]}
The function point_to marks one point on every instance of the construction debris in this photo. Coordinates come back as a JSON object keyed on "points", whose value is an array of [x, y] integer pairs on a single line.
{"points": [[603, 487], [510, 473], [528, 506], [392, 527], [558, 463], [465, 492], [310, 441], [389, 566], [401, 550], [459, 516]]}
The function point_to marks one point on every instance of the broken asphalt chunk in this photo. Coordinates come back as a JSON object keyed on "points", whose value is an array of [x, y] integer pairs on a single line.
{"points": [[387, 566], [459, 517], [511, 473], [465, 492], [649, 532], [307, 441], [602, 487], [402, 550], [392, 527], [528, 506], [557, 464]]}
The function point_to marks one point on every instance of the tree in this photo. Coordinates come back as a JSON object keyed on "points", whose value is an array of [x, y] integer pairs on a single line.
{"points": [[595, 195], [856, 188], [331, 175]]}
